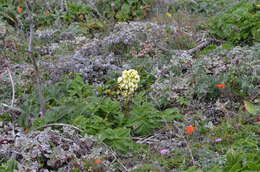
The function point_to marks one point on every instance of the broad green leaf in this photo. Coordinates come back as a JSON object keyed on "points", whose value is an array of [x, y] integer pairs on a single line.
{"points": [[251, 108]]}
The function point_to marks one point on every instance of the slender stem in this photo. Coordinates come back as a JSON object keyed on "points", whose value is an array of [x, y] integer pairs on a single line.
{"points": [[32, 57], [13, 88], [13, 98], [12, 104]]}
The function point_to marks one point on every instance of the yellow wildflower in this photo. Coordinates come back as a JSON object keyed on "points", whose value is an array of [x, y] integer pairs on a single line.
{"points": [[128, 82], [168, 14], [257, 5]]}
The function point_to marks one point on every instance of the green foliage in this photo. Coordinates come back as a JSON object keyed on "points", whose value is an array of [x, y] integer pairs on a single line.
{"points": [[9, 166], [77, 12], [144, 118], [6, 117], [123, 10], [75, 102], [205, 7], [242, 161], [44, 16], [208, 49], [238, 24], [251, 108], [205, 87], [93, 24], [8, 13], [77, 87], [118, 139], [239, 81], [181, 40], [193, 169]]}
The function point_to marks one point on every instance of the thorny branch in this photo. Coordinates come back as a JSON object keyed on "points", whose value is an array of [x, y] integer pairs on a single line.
{"points": [[32, 57]]}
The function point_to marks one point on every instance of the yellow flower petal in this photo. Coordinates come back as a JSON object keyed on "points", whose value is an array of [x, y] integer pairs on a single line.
{"points": [[168, 14]]}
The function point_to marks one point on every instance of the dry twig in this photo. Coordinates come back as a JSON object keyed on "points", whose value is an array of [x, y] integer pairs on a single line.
{"points": [[32, 57], [12, 104], [60, 125], [117, 159], [13, 87], [13, 98]]}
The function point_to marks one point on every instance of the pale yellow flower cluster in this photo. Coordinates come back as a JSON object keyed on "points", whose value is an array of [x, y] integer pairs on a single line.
{"points": [[168, 14], [128, 82]]}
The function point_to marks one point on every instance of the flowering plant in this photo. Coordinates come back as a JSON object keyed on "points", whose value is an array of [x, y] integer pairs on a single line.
{"points": [[128, 82]]}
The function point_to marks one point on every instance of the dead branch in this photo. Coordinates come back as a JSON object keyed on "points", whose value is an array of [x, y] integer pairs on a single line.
{"points": [[198, 48], [33, 58], [173, 52], [60, 125], [203, 45], [116, 158]]}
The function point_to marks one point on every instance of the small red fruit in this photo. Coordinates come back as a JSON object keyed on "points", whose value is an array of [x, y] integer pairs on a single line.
{"points": [[98, 161], [20, 10], [190, 129], [220, 85]]}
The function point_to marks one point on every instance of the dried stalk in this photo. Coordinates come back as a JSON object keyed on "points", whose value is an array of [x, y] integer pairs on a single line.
{"points": [[13, 88], [13, 99], [12, 104], [32, 57]]}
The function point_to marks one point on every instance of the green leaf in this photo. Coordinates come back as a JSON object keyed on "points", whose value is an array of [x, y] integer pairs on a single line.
{"points": [[10, 166], [251, 108], [171, 114], [110, 106], [118, 139], [38, 122], [193, 169]]}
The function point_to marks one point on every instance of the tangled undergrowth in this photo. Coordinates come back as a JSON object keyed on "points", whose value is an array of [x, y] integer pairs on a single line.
{"points": [[147, 95]]}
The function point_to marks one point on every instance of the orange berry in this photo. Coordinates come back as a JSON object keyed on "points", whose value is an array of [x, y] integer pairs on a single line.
{"points": [[19, 9], [98, 161], [220, 85], [189, 130]]}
